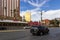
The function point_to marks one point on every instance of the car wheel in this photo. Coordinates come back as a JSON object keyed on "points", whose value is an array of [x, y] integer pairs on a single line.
{"points": [[43, 33], [47, 32], [38, 33]]}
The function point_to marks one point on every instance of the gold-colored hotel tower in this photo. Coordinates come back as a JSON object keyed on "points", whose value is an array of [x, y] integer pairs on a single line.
{"points": [[10, 10]]}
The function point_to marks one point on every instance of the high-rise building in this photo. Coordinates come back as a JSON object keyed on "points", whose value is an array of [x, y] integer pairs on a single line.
{"points": [[10, 9], [28, 16]]}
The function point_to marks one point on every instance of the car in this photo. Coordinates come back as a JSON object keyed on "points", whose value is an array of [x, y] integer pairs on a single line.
{"points": [[3, 28], [38, 30], [27, 27]]}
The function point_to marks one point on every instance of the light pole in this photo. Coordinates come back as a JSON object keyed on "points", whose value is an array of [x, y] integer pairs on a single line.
{"points": [[41, 16]]}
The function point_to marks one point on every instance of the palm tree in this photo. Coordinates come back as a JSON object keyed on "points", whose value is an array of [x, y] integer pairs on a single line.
{"points": [[56, 22]]}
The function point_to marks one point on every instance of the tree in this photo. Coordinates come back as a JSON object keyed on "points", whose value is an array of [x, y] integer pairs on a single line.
{"points": [[56, 22], [52, 22], [17, 15]]}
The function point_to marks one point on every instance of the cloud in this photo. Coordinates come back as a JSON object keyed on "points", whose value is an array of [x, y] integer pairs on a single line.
{"points": [[35, 13], [22, 13], [50, 14], [38, 3]]}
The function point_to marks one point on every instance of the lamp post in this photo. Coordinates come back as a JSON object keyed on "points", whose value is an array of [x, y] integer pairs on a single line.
{"points": [[41, 16]]}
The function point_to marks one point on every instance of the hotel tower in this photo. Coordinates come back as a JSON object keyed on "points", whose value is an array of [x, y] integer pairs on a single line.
{"points": [[10, 10]]}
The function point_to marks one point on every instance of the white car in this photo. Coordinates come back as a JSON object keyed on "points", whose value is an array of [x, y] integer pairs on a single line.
{"points": [[27, 27]]}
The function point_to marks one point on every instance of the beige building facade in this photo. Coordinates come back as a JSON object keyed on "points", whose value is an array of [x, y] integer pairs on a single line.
{"points": [[10, 9]]}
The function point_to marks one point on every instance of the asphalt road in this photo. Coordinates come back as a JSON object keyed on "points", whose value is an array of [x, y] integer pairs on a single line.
{"points": [[54, 34]]}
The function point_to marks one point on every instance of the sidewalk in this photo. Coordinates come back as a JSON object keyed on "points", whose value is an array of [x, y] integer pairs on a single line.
{"points": [[12, 30], [13, 27]]}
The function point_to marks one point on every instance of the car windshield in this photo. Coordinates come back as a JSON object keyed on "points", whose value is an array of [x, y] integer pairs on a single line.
{"points": [[35, 26], [41, 27]]}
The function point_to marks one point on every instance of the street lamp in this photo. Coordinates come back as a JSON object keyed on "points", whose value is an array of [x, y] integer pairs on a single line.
{"points": [[41, 16]]}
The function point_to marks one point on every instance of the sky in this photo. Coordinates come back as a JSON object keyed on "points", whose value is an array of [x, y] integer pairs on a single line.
{"points": [[50, 9]]}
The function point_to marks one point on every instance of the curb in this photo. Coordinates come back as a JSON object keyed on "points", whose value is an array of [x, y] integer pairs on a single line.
{"points": [[11, 30]]}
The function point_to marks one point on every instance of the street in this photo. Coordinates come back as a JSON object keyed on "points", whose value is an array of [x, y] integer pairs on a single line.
{"points": [[54, 34]]}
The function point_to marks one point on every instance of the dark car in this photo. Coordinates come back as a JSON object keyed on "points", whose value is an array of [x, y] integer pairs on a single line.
{"points": [[38, 30], [3, 28]]}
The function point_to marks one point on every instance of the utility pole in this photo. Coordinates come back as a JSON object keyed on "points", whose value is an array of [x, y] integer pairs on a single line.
{"points": [[41, 16]]}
